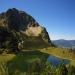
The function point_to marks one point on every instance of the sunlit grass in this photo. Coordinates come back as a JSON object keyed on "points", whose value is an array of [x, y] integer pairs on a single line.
{"points": [[61, 53], [6, 57]]}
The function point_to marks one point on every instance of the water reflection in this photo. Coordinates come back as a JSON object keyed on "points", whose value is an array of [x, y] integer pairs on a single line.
{"points": [[56, 61]]}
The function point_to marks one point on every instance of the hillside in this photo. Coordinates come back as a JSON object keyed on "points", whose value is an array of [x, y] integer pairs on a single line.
{"points": [[19, 30], [64, 43]]}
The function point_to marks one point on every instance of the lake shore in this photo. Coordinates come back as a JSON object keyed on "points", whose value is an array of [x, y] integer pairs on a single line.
{"points": [[61, 53]]}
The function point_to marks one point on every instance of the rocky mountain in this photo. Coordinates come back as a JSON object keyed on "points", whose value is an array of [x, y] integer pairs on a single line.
{"points": [[19, 30], [64, 43]]}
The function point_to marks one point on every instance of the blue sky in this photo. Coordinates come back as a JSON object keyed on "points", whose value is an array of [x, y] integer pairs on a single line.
{"points": [[58, 16]]}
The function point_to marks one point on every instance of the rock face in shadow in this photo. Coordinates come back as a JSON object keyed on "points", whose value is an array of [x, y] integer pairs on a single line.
{"points": [[19, 20], [22, 29]]}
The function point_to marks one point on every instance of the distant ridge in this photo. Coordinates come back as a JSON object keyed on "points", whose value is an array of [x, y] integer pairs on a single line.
{"points": [[64, 43]]}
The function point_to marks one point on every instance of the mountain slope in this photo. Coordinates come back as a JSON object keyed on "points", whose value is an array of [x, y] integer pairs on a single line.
{"points": [[20, 30]]}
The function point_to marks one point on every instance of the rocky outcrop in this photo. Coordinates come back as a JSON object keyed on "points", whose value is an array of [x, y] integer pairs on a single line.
{"points": [[22, 28]]}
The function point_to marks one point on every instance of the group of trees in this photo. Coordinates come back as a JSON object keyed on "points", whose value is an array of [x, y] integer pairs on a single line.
{"points": [[72, 50], [8, 41]]}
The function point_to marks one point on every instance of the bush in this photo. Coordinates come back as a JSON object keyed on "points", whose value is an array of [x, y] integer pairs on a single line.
{"points": [[71, 70]]}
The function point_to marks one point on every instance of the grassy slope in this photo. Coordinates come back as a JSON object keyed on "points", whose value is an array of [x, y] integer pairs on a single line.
{"points": [[61, 53]]}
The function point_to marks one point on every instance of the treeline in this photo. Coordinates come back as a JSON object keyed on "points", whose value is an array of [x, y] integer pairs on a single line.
{"points": [[72, 50]]}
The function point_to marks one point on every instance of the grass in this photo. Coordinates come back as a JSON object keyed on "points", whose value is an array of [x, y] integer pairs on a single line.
{"points": [[11, 64], [6, 57], [61, 53], [20, 63]]}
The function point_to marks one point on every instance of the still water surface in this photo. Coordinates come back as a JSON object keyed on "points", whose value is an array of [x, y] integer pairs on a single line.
{"points": [[56, 60]]}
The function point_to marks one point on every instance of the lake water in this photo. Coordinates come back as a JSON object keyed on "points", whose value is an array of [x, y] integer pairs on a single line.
{"points": [[56, 61]]}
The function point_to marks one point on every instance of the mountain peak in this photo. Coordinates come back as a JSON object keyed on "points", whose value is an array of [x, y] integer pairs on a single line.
{"points": [[21, 25], [16, 19], [12, 10]]}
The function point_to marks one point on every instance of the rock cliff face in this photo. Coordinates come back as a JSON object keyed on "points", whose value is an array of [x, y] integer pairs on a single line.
{"points": [[20, 30]]}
